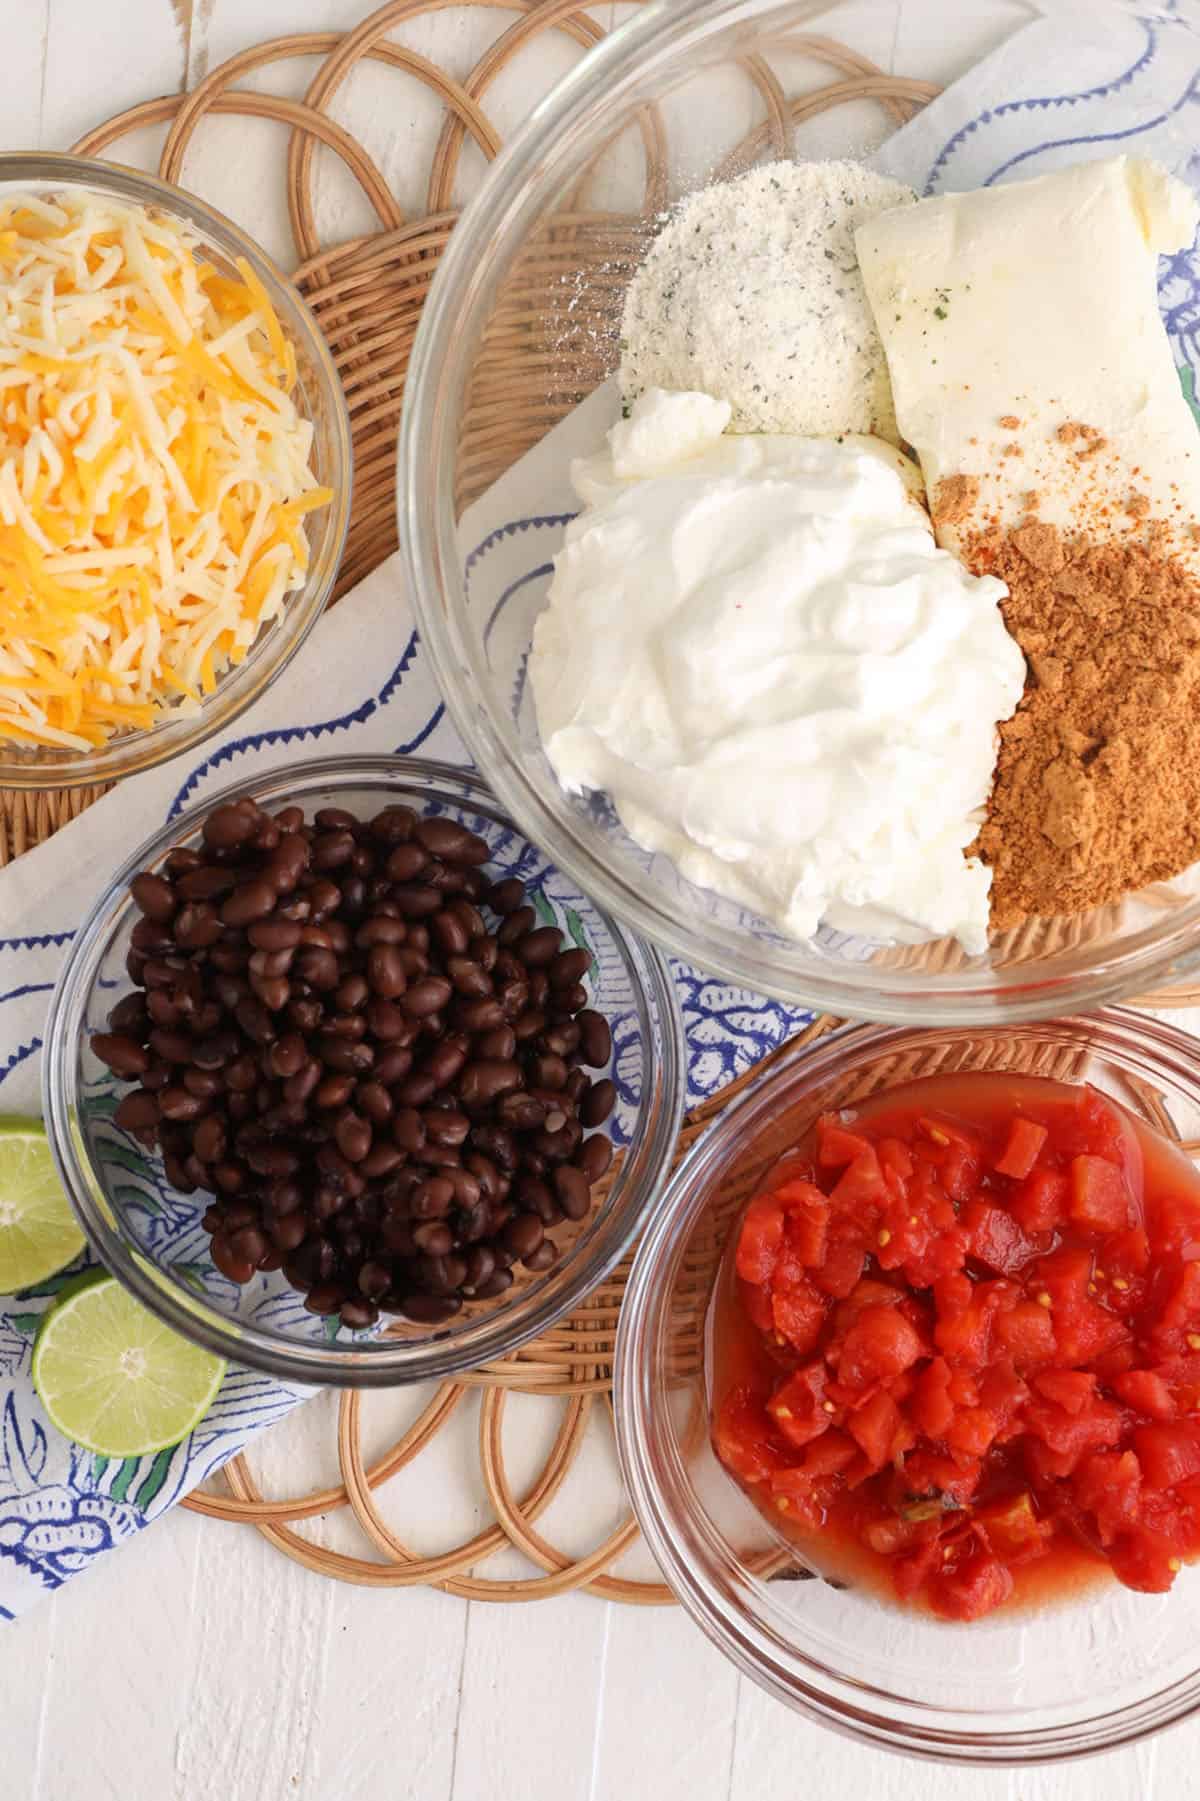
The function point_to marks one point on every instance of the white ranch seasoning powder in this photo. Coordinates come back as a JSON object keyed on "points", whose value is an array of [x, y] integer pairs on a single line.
{"points": [[752, 293]]}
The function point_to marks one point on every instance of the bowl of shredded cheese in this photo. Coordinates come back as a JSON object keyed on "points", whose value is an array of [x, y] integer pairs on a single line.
{"points": [[175, 471]]}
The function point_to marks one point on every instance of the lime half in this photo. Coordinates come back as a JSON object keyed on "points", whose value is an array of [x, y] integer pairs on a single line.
{"points": [[116, 1380], [39, 1234]]}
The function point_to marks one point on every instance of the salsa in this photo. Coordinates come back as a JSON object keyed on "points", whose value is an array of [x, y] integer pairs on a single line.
{"points": [[957, 1344]]}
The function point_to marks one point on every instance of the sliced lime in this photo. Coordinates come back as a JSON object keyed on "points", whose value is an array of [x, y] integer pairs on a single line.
{"points": [[116, 1380], [39, 1234]]}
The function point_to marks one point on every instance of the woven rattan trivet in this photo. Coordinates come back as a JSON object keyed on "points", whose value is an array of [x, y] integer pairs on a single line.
{"points": [[367, 295]]}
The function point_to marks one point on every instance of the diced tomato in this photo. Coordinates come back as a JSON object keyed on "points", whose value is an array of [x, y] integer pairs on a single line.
{"points": [[1182, 1307], [1100, 1201], [1144, 1561], [928, 1472], [959, 1168], [1072, 1390], [930, 1403], [1067, 1437], [756, 1304], [1026, 1333], [1012, 1528], [964, 1337], [798, 1314], [798, 1404], [1064, 1275], [970, 1432], [912, 1569], [895, 1160], [1022, 1148], [1087, 1332], [995, 1238], [1108, 1485], [879, 1344], [1146, 1391], [759, 1240], [994, 1307], [742, 1437], [893, 1534], [1128, 1253], [807, 1224], [1168, 1454], [830, 1454], [1004, 1394], [845, 1259], [972, 1588], [860, 1187], [874, 1427], [836, 1144], [1040, 1202]]}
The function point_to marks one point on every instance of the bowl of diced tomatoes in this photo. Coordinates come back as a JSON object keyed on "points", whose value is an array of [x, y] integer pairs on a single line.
{"points": [[909, 1385]]}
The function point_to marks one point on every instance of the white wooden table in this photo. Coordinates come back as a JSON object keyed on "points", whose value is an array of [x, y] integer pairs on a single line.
{"points": [[199, 1664]]}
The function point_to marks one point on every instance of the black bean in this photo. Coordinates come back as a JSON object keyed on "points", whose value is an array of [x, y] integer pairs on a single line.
{"points": [[518, 925], [446, 1127], [428, 1309], [545, 1257], [124, 1056], [498, 1045], [598, 1102], [568, 968], [228, 826], [425, 996], [594, 1156], [595, 1038], [483, 1081], [573, 1188], [505, 897], [393, 1064], [251, 901], [394, 825], [496, 1284], [444, 1063], [274, 935], [432, 1198], [353, 1135], [381, 928], [523, 1234], [227, 1261]]}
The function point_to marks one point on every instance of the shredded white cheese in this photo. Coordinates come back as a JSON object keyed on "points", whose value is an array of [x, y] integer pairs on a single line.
{"points": [[154, 469]]}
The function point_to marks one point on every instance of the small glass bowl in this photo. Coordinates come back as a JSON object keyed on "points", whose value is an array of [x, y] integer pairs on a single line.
{"points": [[1081, 1676], [150, 1236], [523, 323], [319, 399]]}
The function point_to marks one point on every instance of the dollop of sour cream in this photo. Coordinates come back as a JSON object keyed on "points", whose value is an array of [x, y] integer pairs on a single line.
{"points": [[754, 645]]}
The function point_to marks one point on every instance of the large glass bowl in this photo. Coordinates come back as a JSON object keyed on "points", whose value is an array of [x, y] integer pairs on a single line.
{"points": [[319, 399], [151, 1237], [1083, 1676], [522, 324]]}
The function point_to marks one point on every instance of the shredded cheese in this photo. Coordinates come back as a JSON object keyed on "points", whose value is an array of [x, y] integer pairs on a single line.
{"points": [[154, 470]]}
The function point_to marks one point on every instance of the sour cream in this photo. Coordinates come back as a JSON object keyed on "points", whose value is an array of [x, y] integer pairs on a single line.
{"points": [[754, 646]]}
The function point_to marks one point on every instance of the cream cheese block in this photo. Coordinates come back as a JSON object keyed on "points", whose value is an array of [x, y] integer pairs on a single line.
{"points": [[1029, 362]]}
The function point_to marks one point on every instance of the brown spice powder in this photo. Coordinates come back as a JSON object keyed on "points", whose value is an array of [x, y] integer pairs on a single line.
{"points": [[1097, 788]]}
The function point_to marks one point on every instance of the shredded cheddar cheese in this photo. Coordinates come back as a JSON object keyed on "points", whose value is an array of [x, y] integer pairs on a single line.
{"points": [[154, 470]]}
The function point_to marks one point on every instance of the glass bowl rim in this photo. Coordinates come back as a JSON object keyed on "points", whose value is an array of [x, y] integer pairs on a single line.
{"points": [[516, 192], [482, 1340], [174, 733], [847, 1704]]}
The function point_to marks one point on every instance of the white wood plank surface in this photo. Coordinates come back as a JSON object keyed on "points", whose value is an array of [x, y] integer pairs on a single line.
{"points": [[199, 1665]]}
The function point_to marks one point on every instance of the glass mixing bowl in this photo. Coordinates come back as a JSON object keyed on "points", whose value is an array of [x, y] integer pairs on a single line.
{"points": [[150, 1236], [1085, 1675], [319, 399], [522, 325]]}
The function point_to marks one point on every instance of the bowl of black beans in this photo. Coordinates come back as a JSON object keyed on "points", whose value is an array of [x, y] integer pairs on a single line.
{"points": [[349, 1083]]}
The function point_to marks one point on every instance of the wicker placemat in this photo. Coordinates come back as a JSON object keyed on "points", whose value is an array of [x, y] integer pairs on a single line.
{"points": [[367, 295]]}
